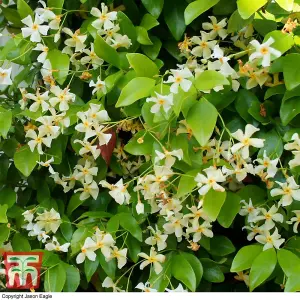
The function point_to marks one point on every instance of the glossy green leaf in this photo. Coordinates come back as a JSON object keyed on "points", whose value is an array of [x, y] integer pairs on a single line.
{"points": [[213, 202], [4, 233], [245, 257], [142, 65], [3, 211], [106, 52], [289, 110], [289, 262], [109, 267], [8, 196], [5, 122], [208, 80], [90, 267], [148, 22], [57, 5], [20, 243], [282, 41], [137, 88], [60, 62], [72, 278], [187, 183], [55, 278], [154, 7], [285, 4], [291, 70], [195, 264], [142, 36], [202, 126], [183, 271], [247, 8], [196, 8], [140, 144], [212, 271], [236, 22], [25, 160], [230, 209], [129, 223], [24, 9], [221, 246], [262, 267], [152, 51]]}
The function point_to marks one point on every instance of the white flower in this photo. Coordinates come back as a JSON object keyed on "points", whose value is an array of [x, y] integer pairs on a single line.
{"points": [[87, 148], [205, 183], [43, 56], [178, 78], [157, 238], [28, 215], [295, 145], [296, 160], [264, 51], [118, 191], [50, 220], [55, 24], [295, 220], [254, 230], [248, 209], [38, 140], [39, 233], [55, 245], [48, 128], [89, 189], [120, 255], [162, 173], [76, 41], [5, 76], [145, 287], [105, 18], [246, 141], [217, 29], [96, 114], [289, 191], [59, 181], [179, 289], [40, 100], [98, 86], [34, 29], [104, 242], [120, 40], [269, 217], [269, 240], [266, 162], [88, 250], [175, 224], [91, 58], [108, 283], [44, 12], [63, 97], [166, 102], [140, 209], [169, 156], [86, 172], [153, 258], [199, 230], [221, 63], [197, 213], [204, 45], [47, 164], [238, 171]]}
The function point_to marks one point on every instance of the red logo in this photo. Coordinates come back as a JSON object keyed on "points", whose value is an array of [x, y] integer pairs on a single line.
{"points": [[23, 269]]}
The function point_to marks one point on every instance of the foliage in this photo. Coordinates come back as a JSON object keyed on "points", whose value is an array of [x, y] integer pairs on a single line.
{"points": [[152, 145]]}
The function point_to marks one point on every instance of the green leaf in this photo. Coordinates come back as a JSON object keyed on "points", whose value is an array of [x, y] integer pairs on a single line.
{"points": [[253, 192], [273, 145], [229, 210], [60, 62], [183, 271], [291, 70], [282, 41], [57, 5], [213, 202], [3, 211], [174, 17], [262, 267], [136, 89], [148, 22], [8, 196], [24, 9], [154, 7], [221, 246], [211, 271], [289, 262], [127, 28], [187, 183], [95, 215], [142, 36], [90, 267], [74, 203], [12, 16], [135, 147], [208, 80], [289, 109], [129, 223], [25, 160], [5, 122], [134, 247], [197, 8], [106, 52], [142, 65], [66, 228], [245, 257], [20, 243], [286, 4], [72, 278], [236, 22], [4, 233], [55, 278], [195, 264], [109, 267], [248, 7], [152, 51], [202, 126], [79, 237]]}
